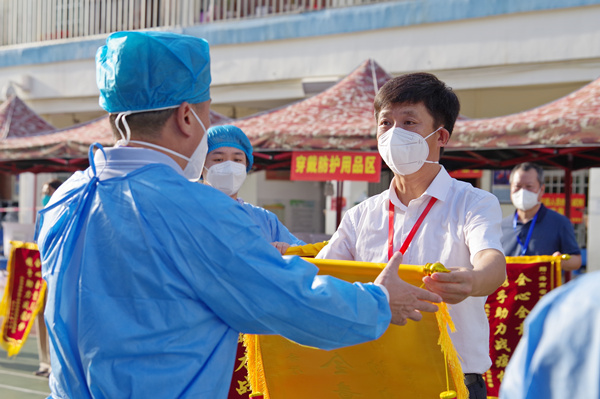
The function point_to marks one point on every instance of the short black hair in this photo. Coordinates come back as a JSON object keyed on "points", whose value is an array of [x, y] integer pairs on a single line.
{"points": [[146, 125], [54, 183], [526, 166], [413, 88]]}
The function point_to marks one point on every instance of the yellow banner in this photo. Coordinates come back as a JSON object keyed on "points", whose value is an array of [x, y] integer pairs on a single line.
{"points": [[406, 362]]}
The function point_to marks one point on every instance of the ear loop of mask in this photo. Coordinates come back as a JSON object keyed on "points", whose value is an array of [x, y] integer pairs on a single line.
{"points": [[432, 133], [124, 138]]}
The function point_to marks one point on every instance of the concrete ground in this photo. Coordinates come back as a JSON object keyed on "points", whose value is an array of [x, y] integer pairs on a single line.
{"points": [[17, 380]]}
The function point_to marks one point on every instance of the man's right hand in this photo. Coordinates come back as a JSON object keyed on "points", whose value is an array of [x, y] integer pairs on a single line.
{"points": [[406, 300]]}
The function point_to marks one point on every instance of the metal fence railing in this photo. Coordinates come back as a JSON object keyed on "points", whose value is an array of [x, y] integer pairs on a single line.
{"points": [[28, 21]]}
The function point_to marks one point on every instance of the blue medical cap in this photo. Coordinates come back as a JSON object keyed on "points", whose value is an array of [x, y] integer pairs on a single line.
{"points": [[143, 71], [230, 136]]}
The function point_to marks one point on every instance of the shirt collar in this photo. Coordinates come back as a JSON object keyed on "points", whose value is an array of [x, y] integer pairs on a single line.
{"points": [[439, 188], [128, 159], [540, 215]]}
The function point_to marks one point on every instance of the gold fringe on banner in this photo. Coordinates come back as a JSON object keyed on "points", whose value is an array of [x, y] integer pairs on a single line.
{"points": [[256, 371]]}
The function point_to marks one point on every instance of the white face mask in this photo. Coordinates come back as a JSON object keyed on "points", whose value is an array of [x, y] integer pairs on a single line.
{"points": [[524, 200], [195, 163], [404, 151], [227, 176]]}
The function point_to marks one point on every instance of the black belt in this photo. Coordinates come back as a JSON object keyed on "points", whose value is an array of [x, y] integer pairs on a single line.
{"points": [[472, 378]]}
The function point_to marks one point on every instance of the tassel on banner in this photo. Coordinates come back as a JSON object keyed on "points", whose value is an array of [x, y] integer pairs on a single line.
{"points": [[450, 355], [448, 395]]}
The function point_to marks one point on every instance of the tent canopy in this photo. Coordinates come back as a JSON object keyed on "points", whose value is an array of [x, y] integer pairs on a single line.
{"points": [[564, 133], [340, 118], [18, 120], [63, 150]]}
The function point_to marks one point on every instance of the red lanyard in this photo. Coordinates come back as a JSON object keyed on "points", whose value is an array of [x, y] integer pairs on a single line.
{"points": [[412, 233]]}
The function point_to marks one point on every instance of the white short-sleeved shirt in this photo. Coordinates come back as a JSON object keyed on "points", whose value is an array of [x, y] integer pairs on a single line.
{"points": [[463, 221]]}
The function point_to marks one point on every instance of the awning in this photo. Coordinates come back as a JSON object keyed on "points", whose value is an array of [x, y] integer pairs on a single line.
{"points": [[62, 150]]}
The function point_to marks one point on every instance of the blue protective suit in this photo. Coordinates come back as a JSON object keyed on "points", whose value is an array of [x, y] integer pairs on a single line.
{"points": [[558, 357], [273, 230], [151, 277]]}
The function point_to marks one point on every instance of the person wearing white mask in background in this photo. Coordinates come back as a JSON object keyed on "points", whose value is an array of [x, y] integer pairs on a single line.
{"points": [[228, 161], [534, 229], [428, 216], [151, 276]]}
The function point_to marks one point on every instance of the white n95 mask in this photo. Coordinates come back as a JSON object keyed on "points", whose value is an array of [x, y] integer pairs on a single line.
{"points": [[404, 151], [193, 170], [227, 176], [524, 200]]}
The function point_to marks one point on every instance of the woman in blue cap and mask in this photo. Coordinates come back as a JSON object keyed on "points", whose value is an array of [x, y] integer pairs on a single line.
{"points": [[228, 161]]}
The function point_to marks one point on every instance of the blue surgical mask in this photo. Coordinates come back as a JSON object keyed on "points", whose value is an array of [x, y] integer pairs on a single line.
{"points": [[45, 200]]}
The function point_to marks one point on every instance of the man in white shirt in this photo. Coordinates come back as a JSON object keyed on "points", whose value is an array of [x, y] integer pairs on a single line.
{"points": [[459, 225]]}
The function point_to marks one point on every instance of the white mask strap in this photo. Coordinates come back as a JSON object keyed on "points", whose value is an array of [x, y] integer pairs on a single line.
{"points": [[198, 119], [124, 137], [434, 132]]}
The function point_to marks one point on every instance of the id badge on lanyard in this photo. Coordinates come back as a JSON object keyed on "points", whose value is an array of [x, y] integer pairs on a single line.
{"points": [[525, 245]]}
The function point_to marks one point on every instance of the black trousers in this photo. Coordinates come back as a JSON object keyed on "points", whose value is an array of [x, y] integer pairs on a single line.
{"points": [[477, 389]]}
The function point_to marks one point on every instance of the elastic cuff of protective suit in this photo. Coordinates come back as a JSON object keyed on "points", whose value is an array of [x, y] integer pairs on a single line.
{"points": [[385, 291]]}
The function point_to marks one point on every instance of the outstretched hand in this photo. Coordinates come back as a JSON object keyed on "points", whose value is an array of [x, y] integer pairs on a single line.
{"points": [[406, 300], [282, 247], [454, 287]]}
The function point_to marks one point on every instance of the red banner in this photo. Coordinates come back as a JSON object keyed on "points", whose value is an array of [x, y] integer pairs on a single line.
{"points": [[528, 279], [23, 295], [240, 385], [336, 165], [557, 202]]}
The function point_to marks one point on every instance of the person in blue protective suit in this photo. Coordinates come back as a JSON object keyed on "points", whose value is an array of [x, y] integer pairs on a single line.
{"points": [[152, 276], [559, 354], [228, 161], [43, 345]]}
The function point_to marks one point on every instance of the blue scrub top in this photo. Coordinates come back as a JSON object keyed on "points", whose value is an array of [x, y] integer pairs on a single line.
{"points": [[273, 230], [151, 278], [552, 232]]}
